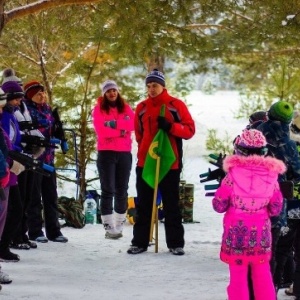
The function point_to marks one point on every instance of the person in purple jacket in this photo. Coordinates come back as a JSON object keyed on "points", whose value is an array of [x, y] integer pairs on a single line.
{"points": [[44, 188], [10, 125], [113, 121], [249, 195], [4, 181]]}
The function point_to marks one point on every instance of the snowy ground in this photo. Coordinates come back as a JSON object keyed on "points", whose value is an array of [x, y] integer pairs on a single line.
{"points": [[91, 267]]}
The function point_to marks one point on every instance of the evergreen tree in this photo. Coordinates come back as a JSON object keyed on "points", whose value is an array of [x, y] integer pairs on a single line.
{"points": [[73, 46]]}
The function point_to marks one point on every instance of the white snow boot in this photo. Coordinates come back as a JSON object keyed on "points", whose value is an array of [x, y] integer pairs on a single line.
{"points": [[4, 278], [120, 220], [109, 226]]}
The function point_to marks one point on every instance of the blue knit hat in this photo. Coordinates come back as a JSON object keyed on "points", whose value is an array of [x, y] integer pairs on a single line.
{"points": [[13, 90], [281, 111], [156, 76]]}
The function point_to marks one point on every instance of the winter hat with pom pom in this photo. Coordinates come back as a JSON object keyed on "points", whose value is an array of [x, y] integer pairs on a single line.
{"points": [[13, 90], [10, 75], [156, 76], [250, 142]]}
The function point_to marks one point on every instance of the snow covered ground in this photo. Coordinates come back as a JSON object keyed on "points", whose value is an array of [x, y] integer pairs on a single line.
{"points": [[92, 267]]}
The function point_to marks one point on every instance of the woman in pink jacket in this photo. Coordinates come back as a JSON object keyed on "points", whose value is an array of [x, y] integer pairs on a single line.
{"points": [[113, 123], [250, 195]]}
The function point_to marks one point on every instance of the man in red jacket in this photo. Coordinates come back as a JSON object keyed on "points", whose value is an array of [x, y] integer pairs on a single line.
{"points": [[179, 125]]}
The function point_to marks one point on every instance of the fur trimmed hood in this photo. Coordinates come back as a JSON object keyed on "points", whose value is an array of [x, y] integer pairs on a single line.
{"points": [[270, 163]]}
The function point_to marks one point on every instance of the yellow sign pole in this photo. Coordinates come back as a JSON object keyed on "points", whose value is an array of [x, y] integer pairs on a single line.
{"points": [[154, 217]]}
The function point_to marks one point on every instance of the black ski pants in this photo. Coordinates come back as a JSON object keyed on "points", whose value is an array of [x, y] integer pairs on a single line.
{"points": [[43, 198], [114, 171], [169, 189], [13, 218], [284, 251], [296, 286], [25, 183]]}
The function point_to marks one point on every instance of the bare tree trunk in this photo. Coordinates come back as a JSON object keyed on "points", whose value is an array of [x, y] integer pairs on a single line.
{"points": [[156, 62], [85, 153], [82, 158]]}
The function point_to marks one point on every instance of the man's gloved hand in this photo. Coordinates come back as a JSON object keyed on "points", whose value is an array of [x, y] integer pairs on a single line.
{"points": [[17, 168], [163, 124], [111, 124]]}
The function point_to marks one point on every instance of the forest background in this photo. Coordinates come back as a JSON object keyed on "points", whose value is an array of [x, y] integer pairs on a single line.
{"points": [[72, 46]]}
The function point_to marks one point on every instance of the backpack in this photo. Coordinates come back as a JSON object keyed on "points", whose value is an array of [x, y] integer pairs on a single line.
{"points": [[130, 214], [72, 211], [131, 209]]}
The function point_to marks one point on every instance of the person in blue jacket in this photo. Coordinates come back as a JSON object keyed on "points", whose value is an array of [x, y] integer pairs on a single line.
{"points": [[277, 132]]}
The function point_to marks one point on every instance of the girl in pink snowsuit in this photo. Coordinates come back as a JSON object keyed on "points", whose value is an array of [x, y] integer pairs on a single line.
{"points": [[249, 195]]}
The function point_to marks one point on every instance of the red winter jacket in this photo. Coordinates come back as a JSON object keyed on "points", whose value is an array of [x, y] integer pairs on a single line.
{"points": [[145, 124]]}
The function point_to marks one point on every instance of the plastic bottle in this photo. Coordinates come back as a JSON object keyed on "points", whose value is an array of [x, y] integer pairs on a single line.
{"points": [[90, 210]]}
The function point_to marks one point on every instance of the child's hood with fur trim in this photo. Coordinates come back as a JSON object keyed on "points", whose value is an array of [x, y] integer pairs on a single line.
{"points": [[254, 176], [270, 163]]}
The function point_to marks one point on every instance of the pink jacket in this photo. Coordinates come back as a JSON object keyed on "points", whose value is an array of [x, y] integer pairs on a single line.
{"points": [[115, 139], [250, 195]]}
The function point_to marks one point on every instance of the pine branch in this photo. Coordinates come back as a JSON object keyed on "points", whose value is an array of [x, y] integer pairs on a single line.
{"points": [[36, 7]]}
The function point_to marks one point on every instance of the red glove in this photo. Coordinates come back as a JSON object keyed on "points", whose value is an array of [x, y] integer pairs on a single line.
{"points": [[4, 180]]}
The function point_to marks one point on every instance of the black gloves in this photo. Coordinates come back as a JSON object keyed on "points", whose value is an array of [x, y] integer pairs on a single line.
{"points": [[163, 124], [217, 174]]}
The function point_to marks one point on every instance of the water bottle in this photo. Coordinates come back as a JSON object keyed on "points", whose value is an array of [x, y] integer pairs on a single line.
{"points": [[90, 210]]}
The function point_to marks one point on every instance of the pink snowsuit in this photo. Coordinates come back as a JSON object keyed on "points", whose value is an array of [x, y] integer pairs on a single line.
{"points": [[250, 195]]}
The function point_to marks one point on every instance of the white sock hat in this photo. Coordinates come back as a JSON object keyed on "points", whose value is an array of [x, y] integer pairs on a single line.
{"points": [[108, 85]]}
